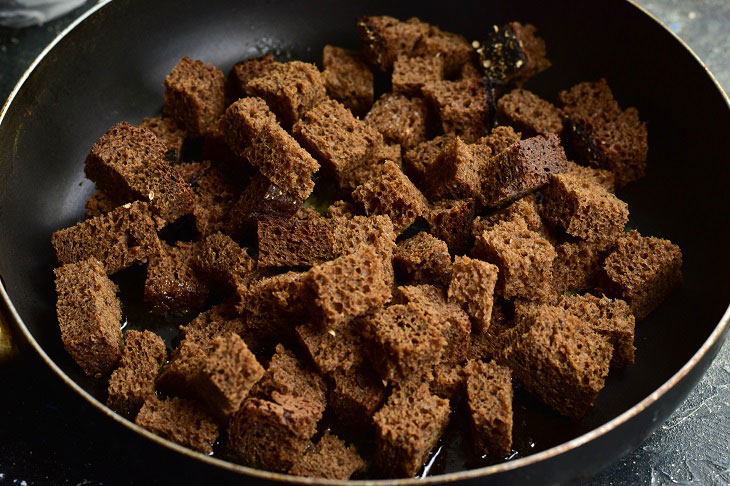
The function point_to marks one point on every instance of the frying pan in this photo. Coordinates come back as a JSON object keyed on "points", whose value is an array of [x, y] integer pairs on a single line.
{"points": [[110, 64]]}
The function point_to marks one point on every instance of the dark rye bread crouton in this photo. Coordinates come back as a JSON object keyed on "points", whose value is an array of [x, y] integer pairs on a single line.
{"points": [[223, 261], [331, 458], [457, 327], [609, 317], [524, 258], [272, 435], [500, 139], [340, 141], [512, 53], [342, 209], [290, 89], [214, 192], [450, 221], [407, 427], [376, 231], [346, 287], [89, 316], [528, 113], [331, 349], [179, 420], [401, 120], [385, 38], [390, 192], [465, 107], [133, 382], [642, 270], [407, 341], [278, 299], [489, 398], [472, 288], [294, 242], [523, 168], [603, 177], [244, 71], [584, 209], [423, 259], [524, 211], [194, 95], [577, 266], [98, 204], [452, 48], [178, 377], [411, 73], [127, 163], [226, 375], [167, 131], [356, 395], [252, 131], [561, 360], [259, 199], [418, 161], [287, 376], [172, 285], [490, 344], [601, 134], [118, 239], [347, 78]]}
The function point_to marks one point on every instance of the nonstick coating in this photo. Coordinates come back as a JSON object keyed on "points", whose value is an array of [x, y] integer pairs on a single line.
{"points": [[111, 68]]}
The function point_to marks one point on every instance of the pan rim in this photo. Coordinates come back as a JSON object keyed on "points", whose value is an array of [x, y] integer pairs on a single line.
{"points": [[624, 417]]}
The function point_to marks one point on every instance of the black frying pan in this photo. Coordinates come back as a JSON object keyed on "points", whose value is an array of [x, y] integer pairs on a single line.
{"points": [[111, 65]]}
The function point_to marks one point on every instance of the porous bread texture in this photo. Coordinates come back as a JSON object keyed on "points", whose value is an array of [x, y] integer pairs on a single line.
{"points": [[609, 317], [194, 95], [401, 120], [133, 382], [290, 89], [251, 130], [407, 341], [272, 435], [464, 107], [489, 399], [410, 74], [390, 192], [472, 288], [89, 315], [345, 145], [223, 261], [524, 258], [356, 395], [331, 458], [561, 360], [128, 163], [294, 242], [642, 270], [167, 131], [450, 221], [347, 78], [528, 113], [172, 285], [603, 135], [179, 420], [346, 287], [407, 427], [584, 209], [244, 71], [118, 239], [423, 259]]}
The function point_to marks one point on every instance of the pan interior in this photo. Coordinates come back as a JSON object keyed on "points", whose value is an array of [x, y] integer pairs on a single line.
{"points": [[111, 68]]}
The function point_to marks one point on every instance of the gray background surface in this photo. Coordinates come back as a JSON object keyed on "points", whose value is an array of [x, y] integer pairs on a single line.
{"points": [[692, 447]]}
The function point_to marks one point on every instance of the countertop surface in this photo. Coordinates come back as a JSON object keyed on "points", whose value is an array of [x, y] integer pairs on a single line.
{"points": [[49, 436]]}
